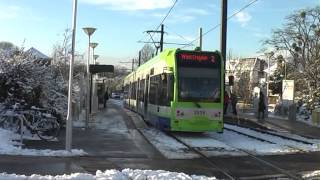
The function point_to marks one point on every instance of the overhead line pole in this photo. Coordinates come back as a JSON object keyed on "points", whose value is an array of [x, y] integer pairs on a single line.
{"points": [[161, 38], [223, 35], [139, 62], [200, 39]]}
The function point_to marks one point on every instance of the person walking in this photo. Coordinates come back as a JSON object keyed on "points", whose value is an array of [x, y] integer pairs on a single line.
{"points": [[226, 102], [261, 106], [234, 101], [106, 97]]}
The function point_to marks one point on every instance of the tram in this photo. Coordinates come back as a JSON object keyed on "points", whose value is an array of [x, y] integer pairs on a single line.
{"points": [[178, 90]]}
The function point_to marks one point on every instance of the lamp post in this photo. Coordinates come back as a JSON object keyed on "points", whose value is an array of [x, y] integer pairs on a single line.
{"points": [[89, 31], [93, 46], [95, 57], [69, 116]]}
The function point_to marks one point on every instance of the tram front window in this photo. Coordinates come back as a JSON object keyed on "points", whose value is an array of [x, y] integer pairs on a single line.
{"points": [[199, 84]]}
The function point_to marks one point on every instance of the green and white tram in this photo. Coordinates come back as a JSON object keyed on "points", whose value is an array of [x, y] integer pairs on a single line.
{"points": [[178, 90]]}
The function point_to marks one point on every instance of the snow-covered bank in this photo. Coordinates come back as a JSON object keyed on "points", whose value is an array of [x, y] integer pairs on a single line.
{"points": [[10, 145], [125, 174]]}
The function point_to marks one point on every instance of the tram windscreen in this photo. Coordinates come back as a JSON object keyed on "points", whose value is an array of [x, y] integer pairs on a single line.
{"points": [[199, 76]]}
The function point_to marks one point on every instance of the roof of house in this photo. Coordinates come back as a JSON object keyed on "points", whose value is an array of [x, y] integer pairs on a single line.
{"points": [[36, 53]]}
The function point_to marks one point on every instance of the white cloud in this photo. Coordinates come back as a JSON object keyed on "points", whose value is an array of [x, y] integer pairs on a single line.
{"points": [[10, 12], [22, 13], [243, 18], [131, 5]]}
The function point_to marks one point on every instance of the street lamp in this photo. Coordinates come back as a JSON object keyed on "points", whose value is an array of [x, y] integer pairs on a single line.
{"points": [[89, 31], [93, 46], [95, 57], [73, 44]]}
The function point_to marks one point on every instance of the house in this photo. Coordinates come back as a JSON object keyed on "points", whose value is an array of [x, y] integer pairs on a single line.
{"points": [[251, 68], [250, 75], [38, 56]]}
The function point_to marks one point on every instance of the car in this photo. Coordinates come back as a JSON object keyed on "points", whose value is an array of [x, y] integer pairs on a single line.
{"points": [[115, 95]]}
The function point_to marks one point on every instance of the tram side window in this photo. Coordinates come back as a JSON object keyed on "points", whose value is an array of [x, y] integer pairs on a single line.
{"points": [[141, 90], [153, 90], [170, 88], [133, 90], [126, 91], [163, 90]]}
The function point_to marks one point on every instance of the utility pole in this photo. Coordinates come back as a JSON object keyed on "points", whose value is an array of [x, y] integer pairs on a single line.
{"points": [[139, 62], [223, 42], [223, 34], [161, 38], [200, 39], [132, 64]]}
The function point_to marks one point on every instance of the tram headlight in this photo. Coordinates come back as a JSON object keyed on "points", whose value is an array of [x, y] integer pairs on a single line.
{"points": [[179, 113]]}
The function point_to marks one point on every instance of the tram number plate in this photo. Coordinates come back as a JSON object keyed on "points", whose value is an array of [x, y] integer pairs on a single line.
{"points": [[199, 113]]}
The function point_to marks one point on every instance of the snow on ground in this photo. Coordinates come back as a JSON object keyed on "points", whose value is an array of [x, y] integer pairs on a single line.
{"points": [[126, 174], [249, 144], [117, 102], [227, 143], [208, 145], [168, 146], [279, 140], [312, 175], [109, 120], [10, 146]]}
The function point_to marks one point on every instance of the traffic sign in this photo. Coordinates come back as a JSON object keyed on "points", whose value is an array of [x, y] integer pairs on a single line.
{"points": [[100, 68]]}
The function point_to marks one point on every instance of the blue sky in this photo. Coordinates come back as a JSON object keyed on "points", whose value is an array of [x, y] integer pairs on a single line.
{"points": [[121, 23]]}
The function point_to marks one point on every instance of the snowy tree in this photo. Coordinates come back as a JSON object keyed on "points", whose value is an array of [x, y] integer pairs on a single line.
{"points": [[6, 45], [300, 37], [116, 81], [24, 80], [147, 52], [61, 52]]}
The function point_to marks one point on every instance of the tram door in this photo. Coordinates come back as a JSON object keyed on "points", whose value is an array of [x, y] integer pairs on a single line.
{"points": [[146, 95]]}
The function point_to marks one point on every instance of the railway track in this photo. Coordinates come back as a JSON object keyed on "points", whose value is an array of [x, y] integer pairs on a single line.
{"points": [[229, 175], [203, 156], [273, 133], [265, 140]]}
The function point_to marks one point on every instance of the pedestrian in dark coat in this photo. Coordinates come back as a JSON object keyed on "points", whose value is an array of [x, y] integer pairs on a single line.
{"points": [[234, 101], [262, 106], [106, 97], [226, 102]]}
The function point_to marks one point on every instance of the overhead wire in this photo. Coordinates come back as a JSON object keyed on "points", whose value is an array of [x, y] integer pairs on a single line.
{"points": [[218, 25], [164, 18], [182, 37]]}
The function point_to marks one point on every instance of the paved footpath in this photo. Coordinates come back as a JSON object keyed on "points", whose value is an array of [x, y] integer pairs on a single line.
{"points": [[112, 142]]}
